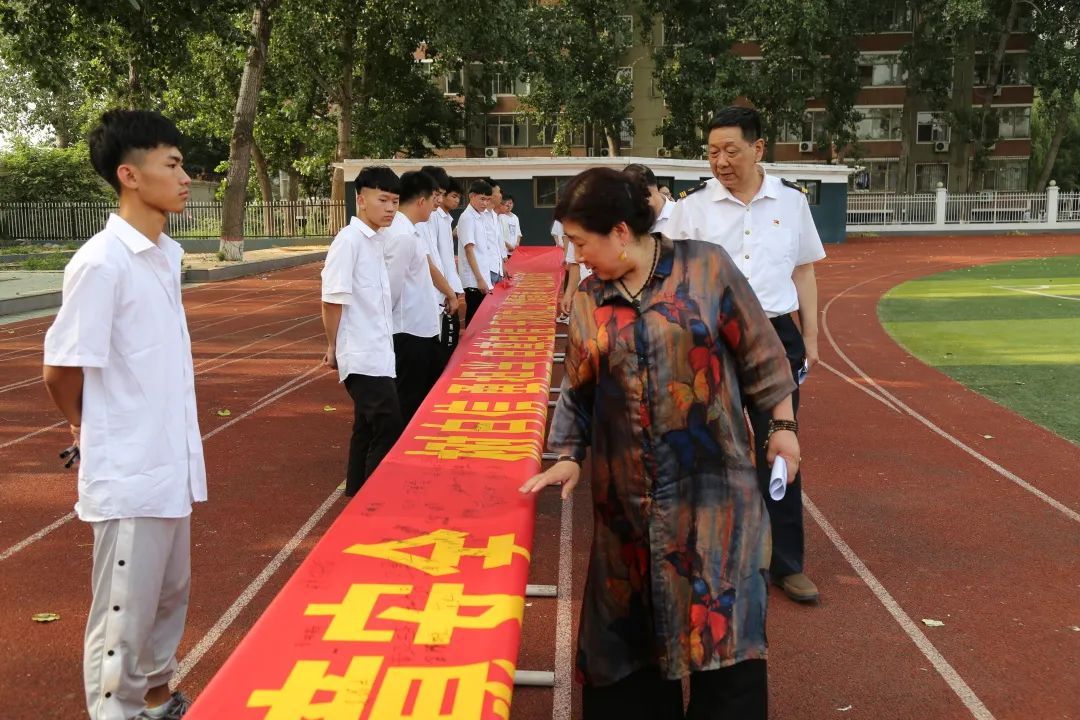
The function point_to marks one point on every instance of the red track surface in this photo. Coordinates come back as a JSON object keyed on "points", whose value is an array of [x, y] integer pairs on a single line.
{"points": [[942, 533]]}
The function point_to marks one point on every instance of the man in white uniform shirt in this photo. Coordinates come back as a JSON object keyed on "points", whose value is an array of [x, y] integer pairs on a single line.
{"points": [[440, 225], [473, 233], [416, 319], [356, 313], [118, 366], [766, 227]]}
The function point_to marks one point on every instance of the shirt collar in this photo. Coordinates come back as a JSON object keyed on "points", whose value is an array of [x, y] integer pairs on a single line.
{"points": [[135, 241], [665, 212], [362, 226], [402, 224], [768, 188]]}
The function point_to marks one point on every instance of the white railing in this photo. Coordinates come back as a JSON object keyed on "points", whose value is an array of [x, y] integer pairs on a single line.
{"points": [[941, 209], [75, 222], [890, 209]]}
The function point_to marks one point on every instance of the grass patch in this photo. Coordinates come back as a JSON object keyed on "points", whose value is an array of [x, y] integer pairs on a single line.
{"points": [[1010, 331], [53, 261]]}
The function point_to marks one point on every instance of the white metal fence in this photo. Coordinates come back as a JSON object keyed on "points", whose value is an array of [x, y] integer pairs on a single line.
{"points": [[1005, 210], [75, 222]]}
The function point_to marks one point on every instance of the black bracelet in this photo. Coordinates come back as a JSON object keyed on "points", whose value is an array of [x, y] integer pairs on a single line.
{"points": [[571, 458], [778, 425]]}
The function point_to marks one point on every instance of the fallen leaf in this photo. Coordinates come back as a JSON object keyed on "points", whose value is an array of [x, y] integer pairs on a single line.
{"points": [[845, 708], [988, 437], [224, 413], [329, 408], [932, 623], [45, 617]]}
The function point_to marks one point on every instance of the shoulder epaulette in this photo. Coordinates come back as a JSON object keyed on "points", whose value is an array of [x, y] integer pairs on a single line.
{"points": [[794, 185], [693, 190]]}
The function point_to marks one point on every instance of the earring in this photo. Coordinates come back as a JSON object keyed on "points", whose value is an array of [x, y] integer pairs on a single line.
{"points": [[623, 256]]}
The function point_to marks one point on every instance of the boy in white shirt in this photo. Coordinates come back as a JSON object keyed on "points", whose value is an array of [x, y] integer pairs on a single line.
{"points": [[356, 313], [118, 366], [473, 231], [440, 225], [496, 250], [512, 224], [416, 318]]}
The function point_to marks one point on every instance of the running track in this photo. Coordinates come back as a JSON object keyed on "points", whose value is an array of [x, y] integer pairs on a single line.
{"points": [[913, 513]]}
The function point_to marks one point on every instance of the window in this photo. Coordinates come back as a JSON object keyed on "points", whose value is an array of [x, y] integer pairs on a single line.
{"points": [[1014, 70], [625, 76], [812, 128], [454, 82], [932, 127], [548, 190], [1011, 175], [928, 176], [813, 191], [1014, 122], [624, 31], [876, 176], [544, 135], [506, 130], [878, 124], [894, 16], [626, 134], [880, 70]]}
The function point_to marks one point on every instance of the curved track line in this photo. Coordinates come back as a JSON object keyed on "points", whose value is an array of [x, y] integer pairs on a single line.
{"points": [[936, 429]]}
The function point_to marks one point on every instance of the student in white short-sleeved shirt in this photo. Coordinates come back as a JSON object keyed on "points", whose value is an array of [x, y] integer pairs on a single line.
{"points": [[473, 233], [451, 322], [449, 294], [511, 223], [357, 315], [496, 251], [118, 366], [662, 206], [557, 233]]}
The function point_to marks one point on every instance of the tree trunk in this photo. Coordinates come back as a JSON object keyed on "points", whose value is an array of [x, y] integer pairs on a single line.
{"points": [[1061, 126], [344, 125], [266, 189], [909, 128], [292, 201], [988, 130], [961, 162], [232, 211], [132, 83]]}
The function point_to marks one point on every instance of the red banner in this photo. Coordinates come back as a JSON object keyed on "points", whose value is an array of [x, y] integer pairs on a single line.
{"points": [[411, 605]]}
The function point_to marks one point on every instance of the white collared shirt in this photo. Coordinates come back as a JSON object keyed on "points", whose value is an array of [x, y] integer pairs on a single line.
{"points": [[406, 251], [496, 250], [513, 230], [444, 225], [430, 232], [766, 239], [664, 216], [571, 257], [122, 322], [557, 233], [355, 277], [473, 230]]}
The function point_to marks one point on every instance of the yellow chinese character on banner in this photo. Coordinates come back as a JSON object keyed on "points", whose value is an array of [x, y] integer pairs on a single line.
{"points": [[457, 447], [296, 698], [483, 408], [495, 388], [510, 427], [447, 549]]}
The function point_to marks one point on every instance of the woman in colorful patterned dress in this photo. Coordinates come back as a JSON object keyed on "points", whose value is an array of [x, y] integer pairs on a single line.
{"points": [[664, 341]]}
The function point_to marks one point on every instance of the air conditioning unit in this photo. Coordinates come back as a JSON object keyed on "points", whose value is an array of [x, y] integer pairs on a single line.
{"points": [[491, 152], [663, 152], [941, 146], [806, 147], [605, 152]]}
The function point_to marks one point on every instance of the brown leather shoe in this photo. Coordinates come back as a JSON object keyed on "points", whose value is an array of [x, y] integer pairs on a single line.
{"points": [[799, 588]]}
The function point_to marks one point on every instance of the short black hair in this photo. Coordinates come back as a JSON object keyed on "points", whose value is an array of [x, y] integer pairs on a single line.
{"points": [[661, 186], [642, 171], [416, 184], [600, 198], [746, 119], [507, 196], [455, 187], [442, 180], [494, 184], [120, 132], [479, 187], [377, 177]]}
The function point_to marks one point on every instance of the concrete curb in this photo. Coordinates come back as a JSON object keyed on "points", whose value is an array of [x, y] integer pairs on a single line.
{"points": [[53, 298]]}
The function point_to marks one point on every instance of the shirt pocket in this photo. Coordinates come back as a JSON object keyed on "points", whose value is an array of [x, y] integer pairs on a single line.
{"points": [[779, 248]]}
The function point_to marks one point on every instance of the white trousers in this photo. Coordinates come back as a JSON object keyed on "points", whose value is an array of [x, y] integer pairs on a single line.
{"points": [[141, 581]]}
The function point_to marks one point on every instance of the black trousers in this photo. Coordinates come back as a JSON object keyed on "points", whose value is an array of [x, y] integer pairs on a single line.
{"points": [[739, 692], [786, 515], [473, 298], [417, 362], [448, 338], [376, 426]]}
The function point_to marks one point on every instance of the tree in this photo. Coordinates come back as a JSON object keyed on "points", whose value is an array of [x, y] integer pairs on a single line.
{"points": [[232, 209], [1055, 69], [44, 174]]}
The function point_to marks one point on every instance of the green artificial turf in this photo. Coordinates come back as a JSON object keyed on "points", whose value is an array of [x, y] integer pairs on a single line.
{"points": [[1010, 331]]}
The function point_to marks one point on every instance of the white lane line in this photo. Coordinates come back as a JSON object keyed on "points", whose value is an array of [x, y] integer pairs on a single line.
{"points": [[281, 392], [945, 670], [1036, 292], [35, 433], [214, 634], [848, 379], [564, 620], [937, 430], [36, 536]]}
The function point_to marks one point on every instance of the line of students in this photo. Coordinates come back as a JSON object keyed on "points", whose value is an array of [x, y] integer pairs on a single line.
{"points": [[392, 289]]}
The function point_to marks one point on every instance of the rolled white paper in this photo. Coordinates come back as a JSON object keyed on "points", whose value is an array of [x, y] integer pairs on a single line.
{"points": [[778, 480]]}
